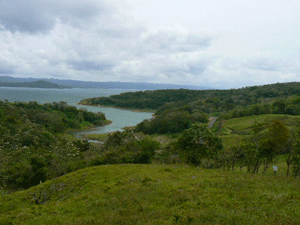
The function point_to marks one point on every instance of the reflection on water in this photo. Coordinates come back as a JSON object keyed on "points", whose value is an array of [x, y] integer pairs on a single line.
{"points": [[120, 118]]}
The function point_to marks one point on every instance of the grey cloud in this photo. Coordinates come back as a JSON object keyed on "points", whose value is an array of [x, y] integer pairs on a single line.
{"points": [[188, 67], [198, 68], [120, 32], [85, 65], [174, 40], [21, 16], [6, 68], [39, 16], [6, 71], [263, 64]]}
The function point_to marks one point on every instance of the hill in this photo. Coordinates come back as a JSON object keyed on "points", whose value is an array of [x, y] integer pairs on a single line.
{"points": [[102, 85], [176, 110], [155, 194], [33, 84], [233, 131], [208, 101], [34, 145]]}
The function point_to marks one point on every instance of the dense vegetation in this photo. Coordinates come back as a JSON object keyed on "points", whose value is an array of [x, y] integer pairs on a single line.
{"points": [[177, 110], [32, 148], [171, 122], [144, 99], [208, 100]]}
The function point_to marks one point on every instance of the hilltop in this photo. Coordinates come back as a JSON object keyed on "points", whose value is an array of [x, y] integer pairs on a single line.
{"points": [[155, 194]]}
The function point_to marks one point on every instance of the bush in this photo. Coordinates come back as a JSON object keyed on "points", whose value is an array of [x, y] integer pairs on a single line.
{"points": [[125, 147], [197, 143]]}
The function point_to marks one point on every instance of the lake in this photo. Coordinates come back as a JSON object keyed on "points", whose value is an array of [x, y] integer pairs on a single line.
{"points": [[120, 118]]}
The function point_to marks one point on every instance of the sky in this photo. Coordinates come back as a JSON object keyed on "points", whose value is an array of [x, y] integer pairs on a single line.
{"points": [[212, 43]]}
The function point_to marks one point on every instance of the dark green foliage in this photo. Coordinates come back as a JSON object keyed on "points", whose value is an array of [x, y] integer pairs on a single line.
{"points": [[289, 106], [198, 143], [176, 110], [127, 147], [205, 100], [39, 171], [31, 151], [295, 159], [94, 118], [144, 99], [171, 122], [59, 116], [82, 145], [147, 149]]}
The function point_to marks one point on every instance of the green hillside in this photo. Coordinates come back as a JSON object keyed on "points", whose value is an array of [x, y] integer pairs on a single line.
{"points": [[234, 130], [34, 144], [172, 169], [212, 100], [155, 194]]}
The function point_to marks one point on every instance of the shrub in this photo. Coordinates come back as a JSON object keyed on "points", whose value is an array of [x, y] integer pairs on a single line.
{"points": [[197, 143]]}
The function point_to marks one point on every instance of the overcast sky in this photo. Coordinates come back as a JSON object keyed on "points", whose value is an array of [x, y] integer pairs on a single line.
{"points": [[215, 43]]}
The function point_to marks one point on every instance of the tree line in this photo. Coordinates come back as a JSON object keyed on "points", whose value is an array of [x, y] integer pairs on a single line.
{"points": [[211, 100]]}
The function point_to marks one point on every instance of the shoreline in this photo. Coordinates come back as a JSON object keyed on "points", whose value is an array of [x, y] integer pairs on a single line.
{"points": [[114, 107], [89, 128]]}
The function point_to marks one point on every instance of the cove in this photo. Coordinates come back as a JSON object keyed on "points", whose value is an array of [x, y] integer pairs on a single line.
{"points": [[120, 118]]}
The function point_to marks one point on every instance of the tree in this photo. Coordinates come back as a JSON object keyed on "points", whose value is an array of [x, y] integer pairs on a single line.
{"points": [[291, 149], [282, 140], [279, 134], [262, 147], [296, 158], [197, 143], [230, 156]]}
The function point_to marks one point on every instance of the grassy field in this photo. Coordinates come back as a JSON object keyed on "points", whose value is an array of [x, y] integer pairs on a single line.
{"points": [[155, 194], [234, 130], [243, 123]]}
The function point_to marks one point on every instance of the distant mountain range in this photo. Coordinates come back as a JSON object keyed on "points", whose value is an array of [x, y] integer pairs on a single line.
{"points": [[6, 81], [33, 84]]}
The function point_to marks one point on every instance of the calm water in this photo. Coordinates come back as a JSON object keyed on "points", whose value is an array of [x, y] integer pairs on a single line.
{"points": [[120, 118]]}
